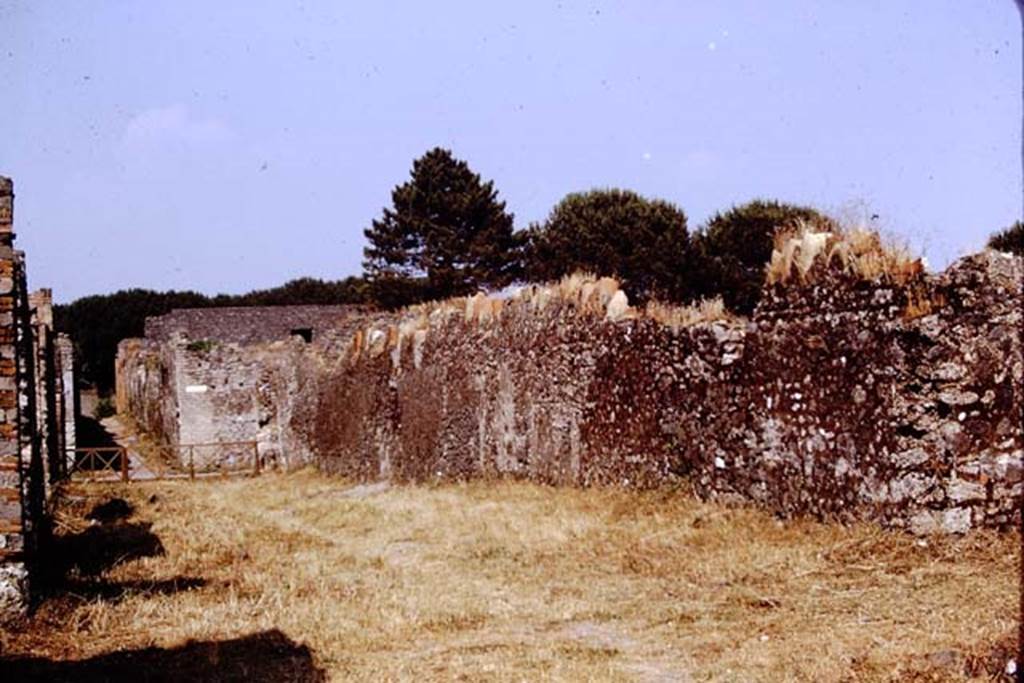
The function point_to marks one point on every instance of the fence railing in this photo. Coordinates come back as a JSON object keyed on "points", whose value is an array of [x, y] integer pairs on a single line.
{"points": [[165, 461], [100, 462]]}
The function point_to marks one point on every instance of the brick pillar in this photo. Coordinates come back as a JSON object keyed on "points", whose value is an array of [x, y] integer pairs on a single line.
{"points": [[46, 384], [13, 567]]}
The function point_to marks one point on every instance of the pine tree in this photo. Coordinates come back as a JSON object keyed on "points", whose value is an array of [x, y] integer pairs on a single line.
{"points": [[731, 251], [642, 242], [446, 234]]}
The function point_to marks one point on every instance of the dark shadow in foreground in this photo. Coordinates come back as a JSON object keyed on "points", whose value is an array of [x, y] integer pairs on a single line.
{"points": [[115, 591], [101, 547], [111, 510], [257, 658]]}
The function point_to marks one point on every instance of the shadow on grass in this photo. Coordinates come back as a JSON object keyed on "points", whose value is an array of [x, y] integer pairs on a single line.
{"points": [[256, 658], [98, 548], [115, 591], [110, 510]]}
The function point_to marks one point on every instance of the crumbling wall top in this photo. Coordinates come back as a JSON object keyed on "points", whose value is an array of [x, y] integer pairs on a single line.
{"points": [[248, 324]]}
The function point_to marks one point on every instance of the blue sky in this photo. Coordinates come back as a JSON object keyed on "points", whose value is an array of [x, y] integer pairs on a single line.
{"points": [[228, 146]]}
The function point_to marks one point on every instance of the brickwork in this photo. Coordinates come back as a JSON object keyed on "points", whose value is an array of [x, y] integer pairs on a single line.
{"points": [[31, 435], [13, 568]]}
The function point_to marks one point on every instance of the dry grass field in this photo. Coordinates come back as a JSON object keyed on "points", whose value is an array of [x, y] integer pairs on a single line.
{"points": [[299, 577]]}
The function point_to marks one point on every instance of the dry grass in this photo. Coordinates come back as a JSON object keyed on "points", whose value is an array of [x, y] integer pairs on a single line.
{"points": [[705, 311], [857, 251], [922, 301], [512, 581]]}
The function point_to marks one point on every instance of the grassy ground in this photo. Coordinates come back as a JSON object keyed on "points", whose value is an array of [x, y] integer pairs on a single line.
{"points": [[301, 577]]}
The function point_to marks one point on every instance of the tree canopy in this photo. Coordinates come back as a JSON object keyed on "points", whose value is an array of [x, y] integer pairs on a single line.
{"points": [[733, 248], [642, 242], [446, 234], [1011, 239]]}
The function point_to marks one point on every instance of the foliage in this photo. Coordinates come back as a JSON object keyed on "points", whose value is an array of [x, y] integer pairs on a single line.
{"points": [[201, 346], [446, 234], [1011, 239], [104, 408], [97, 323], [731, 252], [642, 242], [302, 291]]}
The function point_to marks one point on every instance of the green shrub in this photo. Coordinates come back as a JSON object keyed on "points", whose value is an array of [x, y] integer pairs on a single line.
{"points": [[104, 408], [201, 346]]}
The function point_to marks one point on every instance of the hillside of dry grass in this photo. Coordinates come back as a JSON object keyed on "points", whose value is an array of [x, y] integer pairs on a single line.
{"points": [[306, 578]]}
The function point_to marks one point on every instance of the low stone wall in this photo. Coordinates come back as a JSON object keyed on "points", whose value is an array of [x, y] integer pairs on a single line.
{"points": [[841, 399]]}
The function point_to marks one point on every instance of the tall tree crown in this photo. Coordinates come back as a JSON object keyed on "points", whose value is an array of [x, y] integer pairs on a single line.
{"points": [[733, 249], [446, 233], [643, 242]]}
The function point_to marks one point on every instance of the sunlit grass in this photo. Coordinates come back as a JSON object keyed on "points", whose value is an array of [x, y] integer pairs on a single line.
{"points": [[514, 581]]}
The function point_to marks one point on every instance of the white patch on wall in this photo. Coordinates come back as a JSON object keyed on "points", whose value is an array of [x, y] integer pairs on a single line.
{"points": [[196, 389]]}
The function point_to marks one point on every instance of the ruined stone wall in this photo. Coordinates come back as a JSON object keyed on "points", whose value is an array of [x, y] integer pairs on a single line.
{"points": [[843, 396], [838, 399], [48, 381], [184, 391], [246, 325], [147, 387]]}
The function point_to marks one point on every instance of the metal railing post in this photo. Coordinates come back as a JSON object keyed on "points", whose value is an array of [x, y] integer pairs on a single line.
{"points": [[191, 463]]}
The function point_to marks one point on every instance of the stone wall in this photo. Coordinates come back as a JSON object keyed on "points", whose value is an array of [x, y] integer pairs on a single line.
{"points": [[840, 399], [32, 405], [68, 407], [246, 325], [184, 390], [890, 399]]}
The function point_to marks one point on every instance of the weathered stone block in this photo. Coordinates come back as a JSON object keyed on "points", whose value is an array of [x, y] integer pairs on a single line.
{"points": [[961, 491], [13, 590]]}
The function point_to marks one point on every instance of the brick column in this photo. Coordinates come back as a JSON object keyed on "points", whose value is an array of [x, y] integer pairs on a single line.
{"points": [[13, 568], [47, 395]]}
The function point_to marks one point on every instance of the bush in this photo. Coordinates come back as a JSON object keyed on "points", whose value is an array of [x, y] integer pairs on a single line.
{"points": [[104, 408], [201, 346]]}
